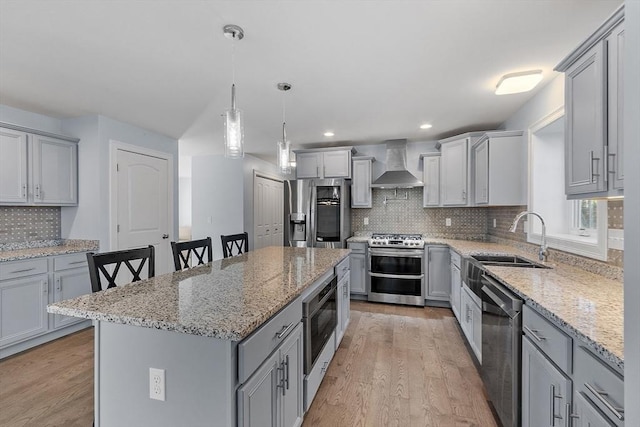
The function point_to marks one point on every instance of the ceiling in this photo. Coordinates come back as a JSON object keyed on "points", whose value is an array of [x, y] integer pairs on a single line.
{"points": [[366, 70]]}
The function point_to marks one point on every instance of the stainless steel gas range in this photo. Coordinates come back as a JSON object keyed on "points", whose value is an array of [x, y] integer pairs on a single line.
{"points": [[395, 269]]}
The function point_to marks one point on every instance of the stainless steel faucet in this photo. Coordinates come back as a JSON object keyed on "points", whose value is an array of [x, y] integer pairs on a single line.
{"points": [[542, 254]]}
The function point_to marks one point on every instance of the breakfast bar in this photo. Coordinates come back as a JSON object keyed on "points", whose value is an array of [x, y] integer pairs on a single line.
{"points": [[204, 330]]}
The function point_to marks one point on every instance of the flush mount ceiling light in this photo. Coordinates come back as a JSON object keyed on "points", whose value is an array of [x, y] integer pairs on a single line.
{"points": [[329, 134], [425, 126], [233, 120], [284, 146], [522, 81]]}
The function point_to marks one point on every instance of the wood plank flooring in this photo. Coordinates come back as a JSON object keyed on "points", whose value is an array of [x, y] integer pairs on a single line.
{"points": [[396, 366], [401, 366]]}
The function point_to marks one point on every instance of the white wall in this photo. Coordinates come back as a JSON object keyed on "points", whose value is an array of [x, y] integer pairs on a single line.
{"points": [[30, 120], [217, 187], [632, 213], [549, 99]]}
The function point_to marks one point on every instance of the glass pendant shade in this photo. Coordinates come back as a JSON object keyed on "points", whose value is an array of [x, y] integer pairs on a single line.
{"points": [[284, 156], [233, 129]]}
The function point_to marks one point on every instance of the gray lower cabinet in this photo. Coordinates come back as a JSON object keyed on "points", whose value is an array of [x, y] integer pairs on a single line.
{"points": [[343, 306], [546, 391], [455, 298], [69, 284], [438, 273], [585, 414], [358, 268], [272, 396], [23, 308]]}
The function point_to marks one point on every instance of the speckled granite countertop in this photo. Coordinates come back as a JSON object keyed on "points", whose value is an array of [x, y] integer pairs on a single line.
{"points": [[226, 299], [586, 305], [41, 248]]}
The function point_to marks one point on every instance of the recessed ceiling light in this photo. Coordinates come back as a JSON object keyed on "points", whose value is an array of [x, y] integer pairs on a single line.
{"points": [[523, 81], [425, 126], [329, 134]]}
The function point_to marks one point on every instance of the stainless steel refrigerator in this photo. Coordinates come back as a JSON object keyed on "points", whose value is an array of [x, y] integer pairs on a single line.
{"points": [[317, 213]]}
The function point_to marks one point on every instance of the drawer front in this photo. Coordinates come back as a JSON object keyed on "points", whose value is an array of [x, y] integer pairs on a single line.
{"points": [[313, 380], [342, 269], [551, 340], [357, 247], [65, 262], [255, 349], [598, 382], [17, 269], [455, 259]]}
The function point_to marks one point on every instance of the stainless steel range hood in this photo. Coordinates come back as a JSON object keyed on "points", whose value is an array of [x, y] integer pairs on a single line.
{"points": [[397, 175]]}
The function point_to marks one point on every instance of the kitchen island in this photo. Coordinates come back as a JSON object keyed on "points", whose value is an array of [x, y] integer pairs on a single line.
{"points": [[195, 326]]}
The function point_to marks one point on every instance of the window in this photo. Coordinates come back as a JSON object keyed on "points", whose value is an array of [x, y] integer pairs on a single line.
{"points": [[577, 226]]}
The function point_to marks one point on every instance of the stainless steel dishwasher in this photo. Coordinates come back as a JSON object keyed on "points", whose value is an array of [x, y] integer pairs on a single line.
{"points": [[501, 349]]}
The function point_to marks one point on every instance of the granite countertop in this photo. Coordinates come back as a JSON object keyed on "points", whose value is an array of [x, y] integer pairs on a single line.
{"points": [[226, 299], [586, 305], [42, 248]]}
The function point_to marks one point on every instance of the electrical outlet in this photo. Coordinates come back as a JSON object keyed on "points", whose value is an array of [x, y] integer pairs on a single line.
{"points": [[495, 223], [366, 220], [447, 222], [156, 384]]}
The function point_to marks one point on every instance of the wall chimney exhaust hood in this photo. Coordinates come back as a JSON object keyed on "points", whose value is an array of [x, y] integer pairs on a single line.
{"points": [[397, 175]]}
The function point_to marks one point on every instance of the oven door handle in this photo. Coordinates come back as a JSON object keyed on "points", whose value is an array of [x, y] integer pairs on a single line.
{"points": [[396, 276], [398, 253]]}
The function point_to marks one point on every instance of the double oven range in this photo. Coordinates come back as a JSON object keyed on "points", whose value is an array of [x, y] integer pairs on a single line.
{"points": [[395, 269]]}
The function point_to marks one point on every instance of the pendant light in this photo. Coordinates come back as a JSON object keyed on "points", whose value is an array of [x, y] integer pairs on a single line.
{"points": [[284, 146], [233, 118]]}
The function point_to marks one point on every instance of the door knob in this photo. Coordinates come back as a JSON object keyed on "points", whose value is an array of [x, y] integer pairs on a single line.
{"points": [[165, 236]]}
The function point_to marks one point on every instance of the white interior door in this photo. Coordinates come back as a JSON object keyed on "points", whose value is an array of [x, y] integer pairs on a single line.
{"points": [[143, 205], [267, 212]]}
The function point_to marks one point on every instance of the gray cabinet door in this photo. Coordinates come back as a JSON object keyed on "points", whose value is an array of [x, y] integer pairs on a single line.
{"points": [[438, 280], [545, 390], [453, 174], [258, 397], [585, 95], [292, 394], [481, 172], [346, 304], [361, 184], [23, 308], [586, 414], [615, 93], [431, 177], [66, 285], [13, 167], [358, 273], [55, 171], [456, 288], [336, 164], [308, 165]]}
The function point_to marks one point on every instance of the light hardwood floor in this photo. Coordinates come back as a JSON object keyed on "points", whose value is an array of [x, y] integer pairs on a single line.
{"points": [[396, 366]]}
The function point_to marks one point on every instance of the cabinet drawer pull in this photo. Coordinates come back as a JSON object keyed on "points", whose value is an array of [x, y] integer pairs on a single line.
{"points": [[24, 270], [77, 262], [284, 330], [533, 333], [600, 395]]}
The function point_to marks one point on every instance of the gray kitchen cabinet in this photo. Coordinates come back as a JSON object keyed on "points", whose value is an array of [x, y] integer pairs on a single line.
{"points": [[584, 414], [593, 111], [358, 267], [431, 179], [37, 168], [500, 169], [546, 390], [273, 395], [69, 284], [324, 163], [23, 308], [361, 182], [343, 302], [471, 320], [455, 298], [454, 173], [438, 273]]}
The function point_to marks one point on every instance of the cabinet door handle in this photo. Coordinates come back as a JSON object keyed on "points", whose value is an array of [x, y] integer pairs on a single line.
{"points": [[464, 194], [533, 333], [286, 378], [37, 191], [568, 415], [612, 170], [594, 176], [552, 398], [45, 287], [284, 330], [600, 395], [58, 285], [24, 190], [280, 384]]}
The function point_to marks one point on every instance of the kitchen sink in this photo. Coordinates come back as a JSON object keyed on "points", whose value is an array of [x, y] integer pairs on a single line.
{"points": [[507, 261]]}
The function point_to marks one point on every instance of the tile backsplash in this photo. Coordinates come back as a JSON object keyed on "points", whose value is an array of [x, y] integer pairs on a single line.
{"points": [[26, 223]]}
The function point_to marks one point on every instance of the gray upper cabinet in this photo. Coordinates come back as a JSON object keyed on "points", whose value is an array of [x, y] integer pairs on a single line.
{"points": [[37, 169], [593, 109], [324, 163], [431, 179], [453, 182], [361, 182], [500, 169]]}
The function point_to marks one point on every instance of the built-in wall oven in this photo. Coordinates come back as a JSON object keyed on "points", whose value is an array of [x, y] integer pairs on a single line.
{"points": [[319, 317], [396, 269]]}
